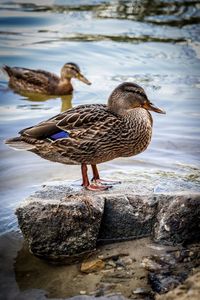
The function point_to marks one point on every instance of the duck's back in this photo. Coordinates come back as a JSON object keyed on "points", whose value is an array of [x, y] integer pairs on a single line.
{"points": [[33, 81]]}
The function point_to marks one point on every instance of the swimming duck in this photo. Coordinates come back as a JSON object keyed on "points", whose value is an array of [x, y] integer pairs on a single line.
{"points": [[43, 82], [95, 133]]}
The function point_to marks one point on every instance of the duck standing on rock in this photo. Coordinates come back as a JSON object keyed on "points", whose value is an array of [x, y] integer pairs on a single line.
{"points": [[95, 133], [43, 82]]}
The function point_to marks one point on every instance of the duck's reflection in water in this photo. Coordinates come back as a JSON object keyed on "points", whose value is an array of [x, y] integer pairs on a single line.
{"points": [[66, 100]]}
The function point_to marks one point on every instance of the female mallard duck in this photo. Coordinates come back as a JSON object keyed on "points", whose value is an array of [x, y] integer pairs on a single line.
{"points": [[95, 133], [43, 82]]}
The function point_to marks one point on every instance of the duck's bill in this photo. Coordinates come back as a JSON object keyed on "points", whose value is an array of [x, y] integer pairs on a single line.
{"points": [[83, 79], [151, 106]]}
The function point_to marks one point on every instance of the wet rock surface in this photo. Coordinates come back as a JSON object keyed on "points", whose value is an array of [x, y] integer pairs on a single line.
{"points": [[167, 271]]}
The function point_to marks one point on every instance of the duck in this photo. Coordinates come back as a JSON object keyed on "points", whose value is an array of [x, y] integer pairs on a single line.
{"points": [[43, 82], [91, 134]]}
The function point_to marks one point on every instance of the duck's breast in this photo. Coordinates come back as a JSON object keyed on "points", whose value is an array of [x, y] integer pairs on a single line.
{"points": [[137, 132]]}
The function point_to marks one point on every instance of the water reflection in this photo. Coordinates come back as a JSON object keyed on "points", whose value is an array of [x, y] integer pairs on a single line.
{"points": [[120, 21], [170, 12], [173, 13], [66, 100]]}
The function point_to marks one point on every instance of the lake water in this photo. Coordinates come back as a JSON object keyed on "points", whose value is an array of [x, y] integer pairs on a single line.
{"points": [[153, 43]]}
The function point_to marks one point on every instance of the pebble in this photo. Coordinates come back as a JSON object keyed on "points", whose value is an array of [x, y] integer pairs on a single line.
{"points": [[150, 265], [101, 257], [120, 263], [127, 260], [140, 291], [92, 266], [111, 263]]}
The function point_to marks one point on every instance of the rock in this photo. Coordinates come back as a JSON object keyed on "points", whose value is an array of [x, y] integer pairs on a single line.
{"points": [[142, 291], [189, 290], [150, 265], [126, 260], [168, 218], [92, 266], [111, 263], [61, 223], [58, 224], [127, 216], [178, 219], [162, 283], [169, 270], [82, 292]]}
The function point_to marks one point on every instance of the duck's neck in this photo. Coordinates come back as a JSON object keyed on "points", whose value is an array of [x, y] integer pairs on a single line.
{"points": [[118, 107], [65, 86]]}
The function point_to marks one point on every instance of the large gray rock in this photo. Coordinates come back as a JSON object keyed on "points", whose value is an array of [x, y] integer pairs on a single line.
{"points": [[57, 223]]}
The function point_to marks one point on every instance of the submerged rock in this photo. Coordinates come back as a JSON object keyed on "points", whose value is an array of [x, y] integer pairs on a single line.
{"points": [[92, 266], [57, 223], [189, 290], [170, 269]]}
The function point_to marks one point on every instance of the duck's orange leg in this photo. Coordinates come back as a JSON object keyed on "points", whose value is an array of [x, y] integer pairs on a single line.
{"points": [[86, 184], [97, 180]]}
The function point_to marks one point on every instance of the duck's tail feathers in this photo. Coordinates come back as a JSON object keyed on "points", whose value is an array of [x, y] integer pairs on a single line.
{"points": [[18, 144]]}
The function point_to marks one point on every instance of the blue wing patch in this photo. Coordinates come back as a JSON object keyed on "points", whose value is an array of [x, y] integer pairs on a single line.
{"points": [[59, 135]]}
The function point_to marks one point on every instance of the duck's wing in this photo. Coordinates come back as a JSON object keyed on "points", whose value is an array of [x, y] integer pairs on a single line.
{"points": [[84, 118], [33, 77]]}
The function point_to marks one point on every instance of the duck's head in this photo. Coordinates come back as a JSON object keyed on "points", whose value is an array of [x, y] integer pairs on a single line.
{"points": [[72, 70], [129, 95]]}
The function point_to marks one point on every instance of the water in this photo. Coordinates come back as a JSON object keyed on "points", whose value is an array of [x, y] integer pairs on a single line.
{"points": [[153, 43]]}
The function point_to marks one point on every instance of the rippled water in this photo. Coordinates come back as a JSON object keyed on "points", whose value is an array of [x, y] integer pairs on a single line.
{"points": [[153, 43]]}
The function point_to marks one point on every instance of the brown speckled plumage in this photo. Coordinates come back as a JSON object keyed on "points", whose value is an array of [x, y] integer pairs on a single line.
{"points": [[43, 82], [97, 132]]}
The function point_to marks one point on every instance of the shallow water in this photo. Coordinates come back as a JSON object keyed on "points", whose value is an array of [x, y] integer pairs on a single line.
{"points": [[153, 43]]}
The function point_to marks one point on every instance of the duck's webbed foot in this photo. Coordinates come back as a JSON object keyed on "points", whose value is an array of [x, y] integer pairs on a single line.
{"points": [[98, 181], [97, 187]]}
